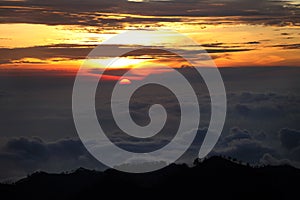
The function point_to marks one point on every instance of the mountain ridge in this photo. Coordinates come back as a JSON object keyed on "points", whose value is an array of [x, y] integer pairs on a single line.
{"points": [[213, 177]]}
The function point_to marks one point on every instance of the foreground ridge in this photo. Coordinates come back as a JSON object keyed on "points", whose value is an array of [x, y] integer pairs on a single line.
{"points": [[214, 177]]}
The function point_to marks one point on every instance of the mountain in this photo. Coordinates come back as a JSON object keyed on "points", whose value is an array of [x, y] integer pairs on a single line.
{"points": [[215, 177]]}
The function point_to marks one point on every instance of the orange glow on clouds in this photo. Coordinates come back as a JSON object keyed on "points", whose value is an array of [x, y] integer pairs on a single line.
{"points": [[260, 45]]}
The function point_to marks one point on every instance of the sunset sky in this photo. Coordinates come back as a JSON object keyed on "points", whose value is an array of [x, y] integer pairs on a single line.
{"points": [[58, 35], [255, 44]]}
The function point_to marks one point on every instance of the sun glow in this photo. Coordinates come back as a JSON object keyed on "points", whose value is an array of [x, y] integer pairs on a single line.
{"points": [[125, 63], [125, 81]]}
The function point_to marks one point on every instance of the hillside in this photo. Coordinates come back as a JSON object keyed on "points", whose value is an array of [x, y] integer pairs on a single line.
{"points": [[213, 178]]}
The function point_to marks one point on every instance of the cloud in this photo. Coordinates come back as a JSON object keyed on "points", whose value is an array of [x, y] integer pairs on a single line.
{"points": [[237, 134], [295, 154], [288, 46], [289, 138], [39, 105], [20, 156], [268, 159], [61, 52], [250, 97], [257, 106], [243, 145], [87, 13], [69, 52], [258, 112], [28, 149], [255, 147]]}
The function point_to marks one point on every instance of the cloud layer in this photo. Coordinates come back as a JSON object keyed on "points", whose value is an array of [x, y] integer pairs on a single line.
{"points": [[87, 13], [21, 156]]}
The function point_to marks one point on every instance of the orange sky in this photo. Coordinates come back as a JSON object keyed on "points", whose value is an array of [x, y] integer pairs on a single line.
{"points": [[231, 41]]}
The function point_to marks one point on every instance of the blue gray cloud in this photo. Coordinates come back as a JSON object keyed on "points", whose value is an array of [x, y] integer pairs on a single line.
{"points": [[21, 155]]}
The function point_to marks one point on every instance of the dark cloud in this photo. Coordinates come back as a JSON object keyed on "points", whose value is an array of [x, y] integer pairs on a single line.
{"points": [[258, 112], [289, 138], [253, 147], [295, 154], [266, 12], [242, 109], [44, 52], [62, 52], [41, 106], [285, 34], [20, 156], [243, 145], [250, 97], [268, 106], [268, 159], [30, 154], [288, 46], [237, 134], [253, 42], [34, 150]]}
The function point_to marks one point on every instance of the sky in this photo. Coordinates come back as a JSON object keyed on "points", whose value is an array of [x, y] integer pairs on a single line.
{"points": [[58, 35], [255, 44]]}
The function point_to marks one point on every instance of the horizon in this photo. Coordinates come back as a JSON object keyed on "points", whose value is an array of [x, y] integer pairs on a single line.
{"points": [[98, 83]]}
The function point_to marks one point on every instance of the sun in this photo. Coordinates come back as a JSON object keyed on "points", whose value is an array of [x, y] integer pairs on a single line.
{"points": [[125, 81]]}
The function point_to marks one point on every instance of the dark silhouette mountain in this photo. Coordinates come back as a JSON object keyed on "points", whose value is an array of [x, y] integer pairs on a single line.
{"points": [[215, 177]]}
